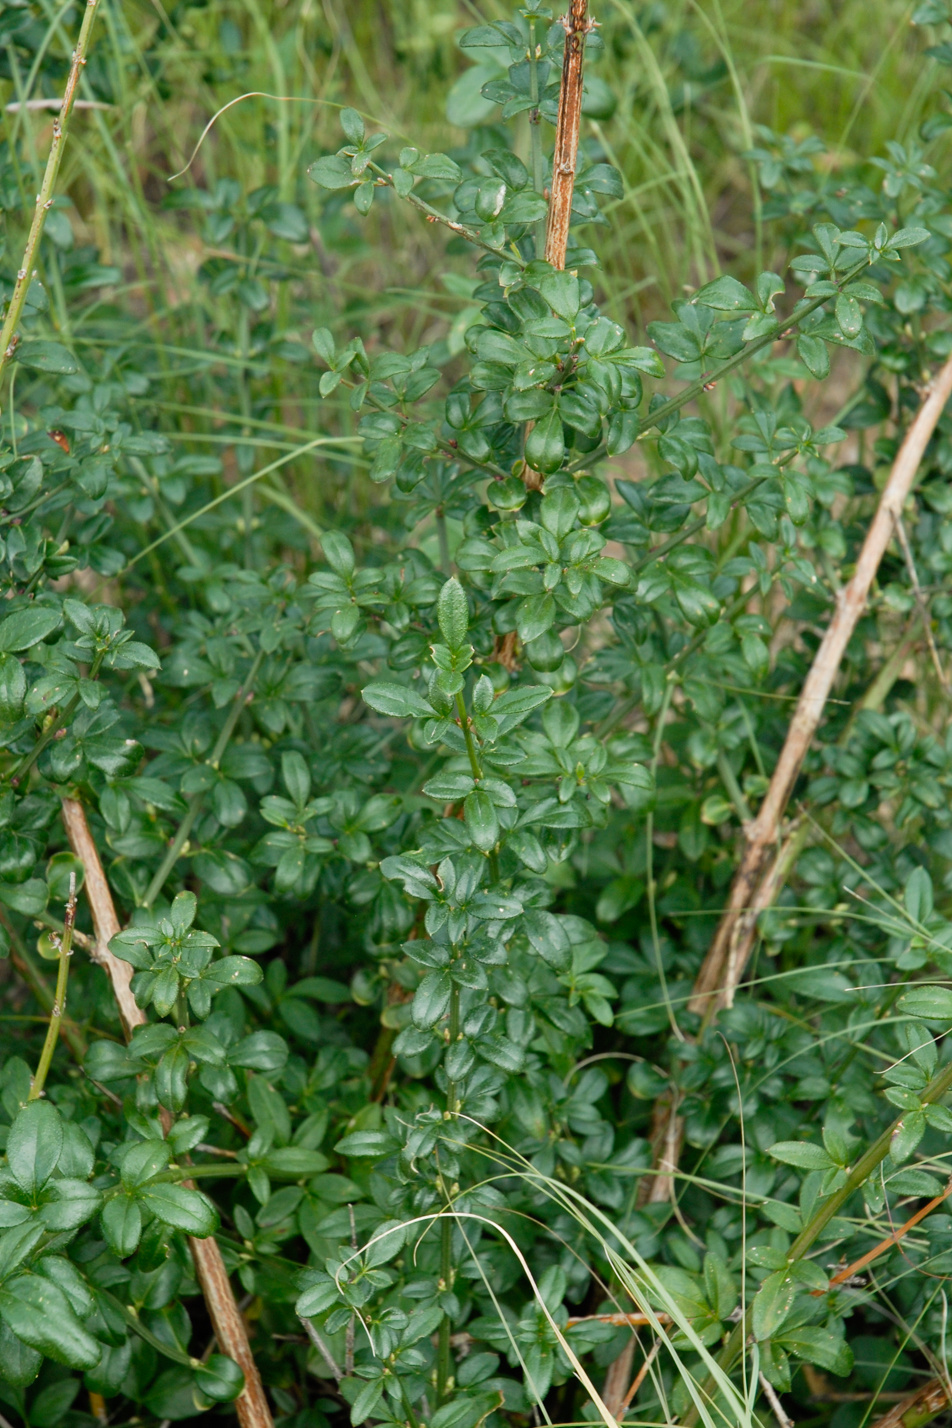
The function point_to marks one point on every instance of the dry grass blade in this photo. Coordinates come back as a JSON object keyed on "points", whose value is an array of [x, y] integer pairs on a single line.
{"points": [[711, 988], [229, 1327]]}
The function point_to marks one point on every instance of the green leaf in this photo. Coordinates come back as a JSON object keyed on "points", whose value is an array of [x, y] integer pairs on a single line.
{"points": [[431, 999], [34, 1144], [39, 1313], [396, 700], [29, 898], [562, 292], [726, 294], [333, 171], [802, 1154], [338, 551], [220, 1378], [849, 315], [772, 1304], [187, 1210], [19, 1364], [47, 357], [929, 1003], [535, 615], [366, 1145], [69, 1203], [482, 823], [908, 238], [294, 1161], [122, 1225], [143, 1161], [820, 1346], [352, 125], [453, 615], [25, 628], [917, 898], [814, 356], [545, 444]]}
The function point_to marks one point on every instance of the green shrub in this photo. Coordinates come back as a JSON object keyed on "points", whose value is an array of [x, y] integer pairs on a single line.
{"points": [[419, 846]]}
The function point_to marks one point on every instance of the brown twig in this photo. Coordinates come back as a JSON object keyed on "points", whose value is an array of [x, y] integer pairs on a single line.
{"points": [[565, 155], [921, 605], [860, 1264], [631, 1321], [777, 1408], [564, 159], [764, 833], [230, 1329], [105, 921]]}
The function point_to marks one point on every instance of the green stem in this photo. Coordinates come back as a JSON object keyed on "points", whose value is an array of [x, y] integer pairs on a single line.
{"points": [[40, 987], [444, 1362], [59, 997], [230, 1170], [468, 736], [44, 199], [649, 864], [197, 799], [168, 519], [657, 551], [446, 565], [535, 135], [60, 720], [694, 389], [864, 1167], [734, 790], [435, 216]]}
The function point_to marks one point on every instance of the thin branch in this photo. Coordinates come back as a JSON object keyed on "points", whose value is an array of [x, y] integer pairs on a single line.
{"points": [[777, 1408], [105, 921], [921, 604], [764, 832], [322, 1349], [44, 199], [860, 1264], [565, 156], [58, 1009], [230, 1329]]}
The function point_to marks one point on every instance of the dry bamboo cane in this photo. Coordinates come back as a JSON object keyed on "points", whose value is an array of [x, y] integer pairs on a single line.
{"points": [[564, 157], [714, 988], [229, 1327]]}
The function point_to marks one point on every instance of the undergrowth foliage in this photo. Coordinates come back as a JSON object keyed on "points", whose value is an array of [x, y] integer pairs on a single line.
{"points": [[418, 845]]}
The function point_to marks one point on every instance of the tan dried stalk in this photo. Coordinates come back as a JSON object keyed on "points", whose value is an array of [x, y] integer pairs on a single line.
{"points": [[760, 876], [564, 157], [565, 154], [725, 962], [229, 1327]]}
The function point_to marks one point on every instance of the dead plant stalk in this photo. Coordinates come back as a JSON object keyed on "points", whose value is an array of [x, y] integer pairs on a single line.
{"points": [[229, 1327], [724, 964]]}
